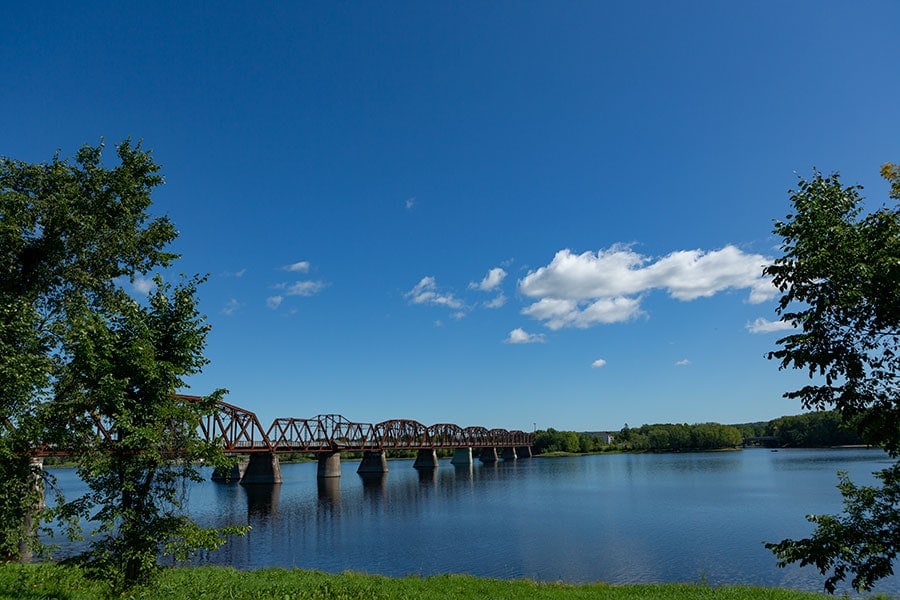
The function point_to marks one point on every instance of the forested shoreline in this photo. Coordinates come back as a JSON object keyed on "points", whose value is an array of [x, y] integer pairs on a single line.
{"points": [[823, 429]]}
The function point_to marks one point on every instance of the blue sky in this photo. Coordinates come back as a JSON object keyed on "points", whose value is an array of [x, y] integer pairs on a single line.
{"points": [[509, 214]]}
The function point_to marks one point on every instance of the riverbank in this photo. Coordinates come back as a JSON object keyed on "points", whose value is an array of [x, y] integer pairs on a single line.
{"points": [[209, 583]]}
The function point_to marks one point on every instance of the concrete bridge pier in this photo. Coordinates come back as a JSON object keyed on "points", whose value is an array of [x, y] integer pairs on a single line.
{"points": [[426, 459], [462, 457], [509, 454], [373, 463], [488, 455], [232, 474], [262, 468], [329, 465], [523, 452]]}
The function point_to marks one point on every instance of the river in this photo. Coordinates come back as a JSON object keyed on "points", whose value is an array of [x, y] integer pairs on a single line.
{"points": [[619, 518]]}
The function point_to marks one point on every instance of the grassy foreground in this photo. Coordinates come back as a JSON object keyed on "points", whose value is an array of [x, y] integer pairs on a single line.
{"points": [[33, 582]]}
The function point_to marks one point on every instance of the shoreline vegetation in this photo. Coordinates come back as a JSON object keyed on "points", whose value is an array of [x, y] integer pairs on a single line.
{"points": [[822, 429], [194, 583]]}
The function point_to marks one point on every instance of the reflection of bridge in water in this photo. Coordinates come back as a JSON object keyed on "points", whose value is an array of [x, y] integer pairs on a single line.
{"points": [[239, 431]]}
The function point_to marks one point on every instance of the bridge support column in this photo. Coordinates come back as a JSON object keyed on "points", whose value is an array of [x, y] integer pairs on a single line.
{"points": [[262, 468], [488, 455], [329, 465], [523, 452], [462, 457], [232, 474], [426, 459], [373, 462], [509, 454]]}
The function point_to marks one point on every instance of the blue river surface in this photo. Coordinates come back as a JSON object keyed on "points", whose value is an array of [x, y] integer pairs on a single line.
{"points": [[618, 518]]}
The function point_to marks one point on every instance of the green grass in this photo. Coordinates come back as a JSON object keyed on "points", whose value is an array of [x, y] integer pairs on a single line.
{"points": [[49, 581]]}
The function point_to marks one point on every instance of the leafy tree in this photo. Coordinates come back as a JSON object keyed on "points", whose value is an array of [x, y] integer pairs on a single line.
{"points": [[125, 368], [840, 283], [66, 231], [78, 352]]}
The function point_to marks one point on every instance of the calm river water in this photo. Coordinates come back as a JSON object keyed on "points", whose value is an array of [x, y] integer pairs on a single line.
{"points": [[619, 518]]}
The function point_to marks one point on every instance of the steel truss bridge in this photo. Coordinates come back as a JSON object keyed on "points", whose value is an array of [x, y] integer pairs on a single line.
{"points": [[238, 431]]}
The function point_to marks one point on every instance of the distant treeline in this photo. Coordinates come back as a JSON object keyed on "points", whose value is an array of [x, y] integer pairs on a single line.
{"points": [[679, 437], [810, 430]]}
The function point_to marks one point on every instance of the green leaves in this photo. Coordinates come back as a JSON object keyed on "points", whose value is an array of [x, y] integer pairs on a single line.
{"points": [[840, 278], [863, 541], [86, 367], [840, 283]]}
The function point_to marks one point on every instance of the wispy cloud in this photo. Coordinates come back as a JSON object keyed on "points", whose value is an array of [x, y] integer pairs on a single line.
{"points": [[520, 336], [497, 302], [490, 282], [762, 325], [302, 288], [274, 302], [144, 285], [583, 290], [297, 267], [236, 274], [427, 292], [231, 307], [682, 363], [600, 362], [410, 203]]}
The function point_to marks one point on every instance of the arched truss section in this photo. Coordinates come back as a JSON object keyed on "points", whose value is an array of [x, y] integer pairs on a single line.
{"points": [[402, 434], [499, 437], [519, 438], [478, 437], [447, 435]]}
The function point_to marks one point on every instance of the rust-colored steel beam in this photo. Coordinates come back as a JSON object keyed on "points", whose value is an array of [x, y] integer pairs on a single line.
{"points": [[236, 429], [402, 434]]}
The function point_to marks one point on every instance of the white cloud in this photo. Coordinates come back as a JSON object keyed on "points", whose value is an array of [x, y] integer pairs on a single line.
{"points": [[762, 325], [236, 274], [144, 285], [682, 363], [600, 362], [490, 282], [426, 292], [582, 290], [297, 267], [274, 302], [231, 307], [557, 313], [410, 202], [496, 302], [303, 288], [520, 336]]}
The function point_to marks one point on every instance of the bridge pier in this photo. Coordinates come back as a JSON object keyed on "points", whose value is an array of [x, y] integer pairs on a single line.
{"points": [[262, 468], [461, 457], [426, 459], [508, 454], [523, 452], [329, 465], [373, 462], [232, 474], [488, 455]]}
